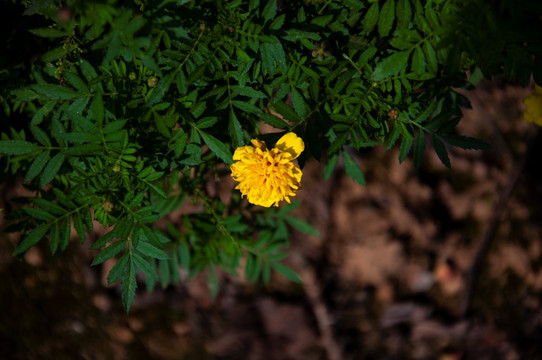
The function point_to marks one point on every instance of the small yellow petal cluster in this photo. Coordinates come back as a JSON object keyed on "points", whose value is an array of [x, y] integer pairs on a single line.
{"points": [[533, 104], [268, 176]]}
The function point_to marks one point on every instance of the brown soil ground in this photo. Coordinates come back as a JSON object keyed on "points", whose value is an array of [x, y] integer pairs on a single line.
{"points": [[428, 264]]}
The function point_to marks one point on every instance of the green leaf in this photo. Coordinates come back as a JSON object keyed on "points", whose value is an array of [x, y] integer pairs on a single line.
{"points": [[430, 56], [213, 284], [152, 251], [85, 149], [16, 147], [40, 136], [56, 92], [96, 111], [406, 145], [49, 33], [352, 169], [248, 107], [286, 111], [32, 239], [277, 23], [218, 147], [80, 137], [24, 94], [42, 112], [302, 226], [129, 285], [37, 166], [386, 18], [79, 227], [118, 269], [391, 65], [148, 268], [50, 206], [404, 13], [269, 10], [160, 90], [371, 18], [419, 147], [65, 233], [52, 168], [274, 121], [184, 255], [109, 252], [54, 237], [466, 142], [286, 272], [37, 213], [440, 149], [163, 266], [418, 61], [235, 130], [330, 166], [298, 102]]}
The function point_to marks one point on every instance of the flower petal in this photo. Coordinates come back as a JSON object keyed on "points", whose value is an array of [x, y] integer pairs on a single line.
{"points": [[291, 144]]}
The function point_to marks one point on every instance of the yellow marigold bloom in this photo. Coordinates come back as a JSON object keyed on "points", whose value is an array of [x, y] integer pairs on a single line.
{"points": [[268, 176], [533, 104]]}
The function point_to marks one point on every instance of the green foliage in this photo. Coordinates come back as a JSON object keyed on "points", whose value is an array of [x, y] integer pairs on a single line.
{"points": [[131, 108]]}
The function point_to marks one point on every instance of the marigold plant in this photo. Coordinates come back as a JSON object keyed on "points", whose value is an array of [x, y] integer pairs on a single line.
{"points": [[116, 113]]}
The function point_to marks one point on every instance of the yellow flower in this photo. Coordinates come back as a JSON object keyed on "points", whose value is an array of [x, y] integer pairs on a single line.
{"points": [[533, 104], [268, 176]]}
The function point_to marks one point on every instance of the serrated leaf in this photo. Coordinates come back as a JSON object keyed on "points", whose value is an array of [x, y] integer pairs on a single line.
{"points": [[248, 107], [118, 269], [274, 121], [85, 150], [163, 266], [352, 169], [42, 112], [386, 18], [418, 61], [40, 136], [48, 33], [109, 252], [97, 112], [330, 166], [184, 255], [466, 142], [269, 10], [51, 169], [404, 13], [298, 102], [404, 149], [37, 213], [213, 284], [419, 147], [217, 147], [79, 227], [286, 272], [32, 239], [277, 22], [152, 251], [371, 18], [392, 65], [160, 90], [129, 285], [143, 265], [65, 234], [302, 226], [440, 149], [16, 147], [37, 166], [56, 92], [54, 237], [235, 130]]}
